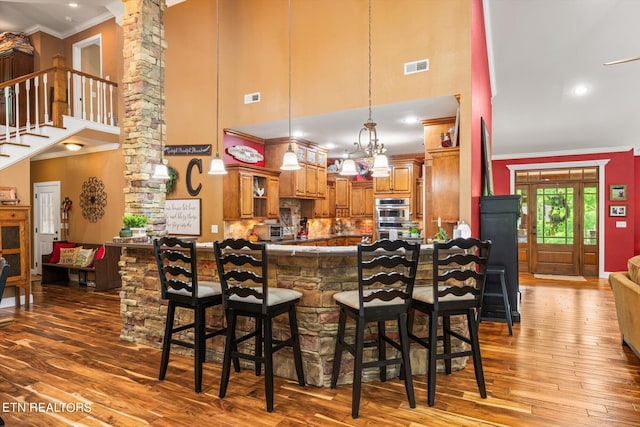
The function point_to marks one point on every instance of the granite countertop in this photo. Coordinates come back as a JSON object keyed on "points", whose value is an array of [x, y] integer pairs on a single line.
{"points": [[319, 238]]}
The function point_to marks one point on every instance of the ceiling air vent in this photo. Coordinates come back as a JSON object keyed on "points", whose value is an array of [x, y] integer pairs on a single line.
{"points": [[250, 98], [416, 66]]}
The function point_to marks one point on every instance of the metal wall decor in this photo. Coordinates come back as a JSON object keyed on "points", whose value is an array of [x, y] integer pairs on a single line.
{"points": [[93, 199]]}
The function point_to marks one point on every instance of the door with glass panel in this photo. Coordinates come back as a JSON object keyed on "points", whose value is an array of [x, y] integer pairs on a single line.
{"points": [[46, 219], [555, 237]]}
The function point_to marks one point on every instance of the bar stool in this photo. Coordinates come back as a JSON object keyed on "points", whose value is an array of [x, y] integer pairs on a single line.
{"points": [[501, 272], [386, 275], [241, 262], [178, 271]]}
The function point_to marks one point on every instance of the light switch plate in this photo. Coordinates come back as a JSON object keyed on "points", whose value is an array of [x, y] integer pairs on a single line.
{"points": [[214, 228], [621, 224]]}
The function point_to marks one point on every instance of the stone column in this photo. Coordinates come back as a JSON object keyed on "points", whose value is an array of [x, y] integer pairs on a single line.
{"points": [[143, 93]]}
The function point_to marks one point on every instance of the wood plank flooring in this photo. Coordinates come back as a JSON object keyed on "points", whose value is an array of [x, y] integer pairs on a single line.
{"points": [[62, 363]]}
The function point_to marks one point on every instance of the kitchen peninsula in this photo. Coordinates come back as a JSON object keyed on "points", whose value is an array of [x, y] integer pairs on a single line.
{"points": [[317, 272]]}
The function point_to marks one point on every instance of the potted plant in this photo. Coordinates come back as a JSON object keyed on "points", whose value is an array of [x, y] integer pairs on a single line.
{"points": [[136, 224]]}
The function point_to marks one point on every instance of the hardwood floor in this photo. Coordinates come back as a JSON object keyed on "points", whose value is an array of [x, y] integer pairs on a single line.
{"points": [[563, 366]]}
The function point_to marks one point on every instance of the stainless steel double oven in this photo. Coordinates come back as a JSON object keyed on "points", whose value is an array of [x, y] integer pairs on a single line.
{"points": [[392, 214]]}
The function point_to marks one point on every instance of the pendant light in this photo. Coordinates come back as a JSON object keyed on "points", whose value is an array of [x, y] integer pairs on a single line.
{"points": [[290, 159], [161, 171], [372, 149], [217, 164]]}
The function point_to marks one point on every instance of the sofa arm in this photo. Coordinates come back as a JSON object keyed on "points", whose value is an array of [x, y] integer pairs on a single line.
{"points": [[626, 294]]}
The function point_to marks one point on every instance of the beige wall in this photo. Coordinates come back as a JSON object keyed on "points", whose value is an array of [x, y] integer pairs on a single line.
{"points": [[329, 73], [72, 172], [329, 66]]}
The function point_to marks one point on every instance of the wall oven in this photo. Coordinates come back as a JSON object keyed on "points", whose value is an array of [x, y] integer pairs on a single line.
{"points": [[391, 216]]}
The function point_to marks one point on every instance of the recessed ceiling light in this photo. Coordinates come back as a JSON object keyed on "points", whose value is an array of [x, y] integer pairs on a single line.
{"points": [[298, 134], [580, 90], [410, 120], [73, 4], [330, 145]]}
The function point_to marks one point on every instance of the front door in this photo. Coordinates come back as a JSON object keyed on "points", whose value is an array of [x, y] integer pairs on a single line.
{"points": [[555, 243], [46, 219]]}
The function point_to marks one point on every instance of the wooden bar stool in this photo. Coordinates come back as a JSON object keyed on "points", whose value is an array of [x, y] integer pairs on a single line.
{"points": [[242, 267], [501, 272]]}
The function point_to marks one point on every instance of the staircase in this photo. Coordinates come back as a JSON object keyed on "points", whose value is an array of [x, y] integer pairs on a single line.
{"points": [[38, 117]]}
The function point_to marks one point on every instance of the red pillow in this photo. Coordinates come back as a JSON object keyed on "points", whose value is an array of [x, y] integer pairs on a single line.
{"points": [[99, 254], [55, 255]]}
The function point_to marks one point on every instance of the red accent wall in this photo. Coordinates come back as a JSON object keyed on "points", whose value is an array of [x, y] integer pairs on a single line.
{"points": [[620, 244], [480, 106], [231, 140]]}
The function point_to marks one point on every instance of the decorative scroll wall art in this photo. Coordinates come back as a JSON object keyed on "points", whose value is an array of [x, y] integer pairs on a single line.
{"points": [[93, 199]]}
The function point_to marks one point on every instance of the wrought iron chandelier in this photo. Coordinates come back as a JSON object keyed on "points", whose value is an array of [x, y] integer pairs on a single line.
{"points": [[371, 150]]}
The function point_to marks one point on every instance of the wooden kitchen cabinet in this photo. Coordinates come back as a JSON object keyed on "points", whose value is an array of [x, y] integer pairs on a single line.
{"points": [[321, 208], [419, 208], [310, 181], [14, 247], [361, 205], [442, 182], [401, 179], [250, 193]]}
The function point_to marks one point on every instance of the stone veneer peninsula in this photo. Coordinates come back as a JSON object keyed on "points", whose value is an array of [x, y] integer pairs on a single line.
{"points": [[317, 272]]}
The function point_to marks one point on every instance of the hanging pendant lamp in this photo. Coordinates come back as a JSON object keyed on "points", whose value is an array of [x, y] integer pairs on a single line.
{"points": [[161, 172], [217, 164], [290, 159]]}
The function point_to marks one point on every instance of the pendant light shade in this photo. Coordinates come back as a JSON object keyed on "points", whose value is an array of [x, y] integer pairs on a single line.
{"points": [[161, 172], [348, 168], [380, 167], [290, 160], [217, 167], [217, 164]]}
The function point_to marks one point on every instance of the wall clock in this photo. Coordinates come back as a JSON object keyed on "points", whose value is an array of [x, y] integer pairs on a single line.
{"points": [[93, 199]]}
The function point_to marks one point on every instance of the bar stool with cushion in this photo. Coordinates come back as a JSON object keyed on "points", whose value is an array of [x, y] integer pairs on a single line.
{"points": [[459, 272], [177, 268], [386, 275], [241, 262]]}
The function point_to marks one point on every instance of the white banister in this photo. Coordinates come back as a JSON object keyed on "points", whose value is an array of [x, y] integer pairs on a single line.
{"points": [[45, 97], [111, 104], [90, 101], [36, 85], [104, 103], [84, 99], [6, 112], [28, 89], [69, 99], [17, 123]]}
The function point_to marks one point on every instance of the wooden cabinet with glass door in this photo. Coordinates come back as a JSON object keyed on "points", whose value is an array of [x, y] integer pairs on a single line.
{"points": [[250, 193], [14, 247], [309, 182]]}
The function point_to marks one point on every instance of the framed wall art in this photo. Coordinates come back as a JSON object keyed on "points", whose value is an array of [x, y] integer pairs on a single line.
{"points": [[618, 210], [183, 217], [617, 192]]}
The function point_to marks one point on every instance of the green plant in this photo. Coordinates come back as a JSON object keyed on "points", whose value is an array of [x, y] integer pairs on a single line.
{"points": [[134, 221], [441, 234]]}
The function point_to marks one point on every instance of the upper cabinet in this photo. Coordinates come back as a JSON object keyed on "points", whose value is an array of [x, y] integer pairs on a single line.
{"points": [[310, 181], [361, 205], [250, 193], [401, 179]]}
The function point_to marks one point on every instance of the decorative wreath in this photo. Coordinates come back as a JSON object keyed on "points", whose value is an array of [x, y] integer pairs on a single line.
{"points": [[559, 210]]}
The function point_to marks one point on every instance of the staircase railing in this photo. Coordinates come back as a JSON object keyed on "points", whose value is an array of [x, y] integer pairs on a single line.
{"points": [[42, 98]]}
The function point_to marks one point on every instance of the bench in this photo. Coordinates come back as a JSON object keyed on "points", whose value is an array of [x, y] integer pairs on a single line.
{"points": [[105, 271]]}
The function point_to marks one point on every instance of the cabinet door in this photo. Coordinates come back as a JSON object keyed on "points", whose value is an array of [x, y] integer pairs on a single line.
{"points": [[331, 201], [383, 185], [419, 198], [342, 193], [273, 199], [368, 202], [301, 181], [246, 196], [312, 181], [402, 179], [322, 182], [357, 201]]}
